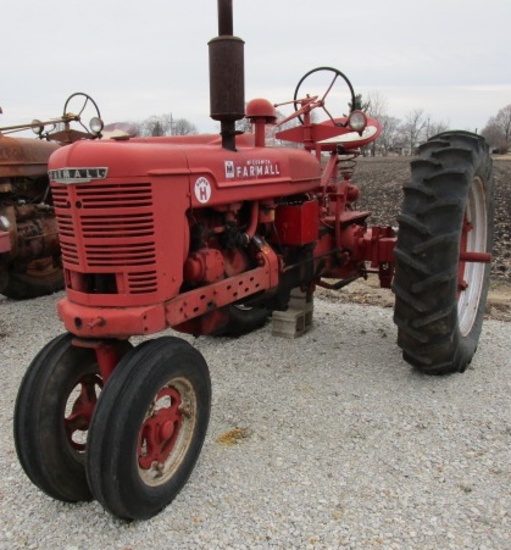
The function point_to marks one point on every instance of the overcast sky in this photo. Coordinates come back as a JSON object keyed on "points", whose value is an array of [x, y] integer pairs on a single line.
{"points": [[451, 58]]}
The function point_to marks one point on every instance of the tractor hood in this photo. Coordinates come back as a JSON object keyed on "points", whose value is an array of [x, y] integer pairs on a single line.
{"points": [[24, 157], [151, 158]]}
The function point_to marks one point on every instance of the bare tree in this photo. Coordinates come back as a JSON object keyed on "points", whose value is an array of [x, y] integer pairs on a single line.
{"points": [[166, 125], [494, 135], [414, 126], [377, 108], [155, 126], [390, 138], [503, 120], [433, 128], [183, 127], [498, 129]]}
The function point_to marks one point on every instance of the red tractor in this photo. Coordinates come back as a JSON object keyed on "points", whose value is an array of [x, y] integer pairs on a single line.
{"points": [[208, 235], [30, 263]]}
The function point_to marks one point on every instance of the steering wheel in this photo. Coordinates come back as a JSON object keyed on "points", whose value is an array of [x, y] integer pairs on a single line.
{"points": [[314, 101], [77, 116]]}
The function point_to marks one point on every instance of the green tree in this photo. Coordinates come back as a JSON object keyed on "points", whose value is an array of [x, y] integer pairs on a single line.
{"points": [[359, 104]]}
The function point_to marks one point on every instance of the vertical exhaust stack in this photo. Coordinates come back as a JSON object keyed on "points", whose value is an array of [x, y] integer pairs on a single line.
{"points": [[226, 76]]}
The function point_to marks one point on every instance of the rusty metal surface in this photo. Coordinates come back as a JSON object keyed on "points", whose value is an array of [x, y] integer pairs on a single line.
{"points": [[226, 76], [5, 242], [32, 234], [37, 237], [23, 157]]}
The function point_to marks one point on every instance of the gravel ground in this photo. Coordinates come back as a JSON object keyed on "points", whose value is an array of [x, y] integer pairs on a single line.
{"points": [[343, 446]]}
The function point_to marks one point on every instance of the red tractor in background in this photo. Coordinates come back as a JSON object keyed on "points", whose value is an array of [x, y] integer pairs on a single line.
{"points": [[208, 235], [30, 263]]}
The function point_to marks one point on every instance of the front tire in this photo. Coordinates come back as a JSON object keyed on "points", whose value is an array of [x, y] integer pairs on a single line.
{"points": [[52, 414], [442, 253], [148, 428]]}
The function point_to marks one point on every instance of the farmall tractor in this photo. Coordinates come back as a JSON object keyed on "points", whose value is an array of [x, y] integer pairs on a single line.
{"points": [[30, 263], [208, 235]]}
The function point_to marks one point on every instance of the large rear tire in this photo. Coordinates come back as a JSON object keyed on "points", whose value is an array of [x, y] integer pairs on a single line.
{"points": [[446, 223]]}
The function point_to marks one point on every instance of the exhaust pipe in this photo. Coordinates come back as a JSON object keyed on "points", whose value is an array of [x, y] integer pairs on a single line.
{"points": [[226, 76]]}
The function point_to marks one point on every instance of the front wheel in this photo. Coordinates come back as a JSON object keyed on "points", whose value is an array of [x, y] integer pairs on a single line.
{"points": [[442, 253], [52, 414], [148, 428]]}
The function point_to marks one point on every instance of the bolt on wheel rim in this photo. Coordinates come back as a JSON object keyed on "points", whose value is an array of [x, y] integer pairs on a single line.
{"points": [[167, 431]]}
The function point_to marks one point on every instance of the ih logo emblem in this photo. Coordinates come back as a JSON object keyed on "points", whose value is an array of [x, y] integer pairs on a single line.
{"points": [[229, 169], [202, 190]]}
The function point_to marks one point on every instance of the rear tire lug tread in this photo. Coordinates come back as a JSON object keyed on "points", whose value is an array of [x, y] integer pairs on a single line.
{"points": [[453, 168]]}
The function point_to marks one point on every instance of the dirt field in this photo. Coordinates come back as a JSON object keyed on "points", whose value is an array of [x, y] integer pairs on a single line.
{"points": [[380, 181]]}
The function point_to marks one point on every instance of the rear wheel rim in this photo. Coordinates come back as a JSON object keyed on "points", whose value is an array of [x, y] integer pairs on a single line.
{"points": [[471, 275]]}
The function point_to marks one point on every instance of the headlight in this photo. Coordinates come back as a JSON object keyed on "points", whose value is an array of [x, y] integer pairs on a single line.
{"points": [[96, 125], [357, 121], [5, 224], [38, 127]]}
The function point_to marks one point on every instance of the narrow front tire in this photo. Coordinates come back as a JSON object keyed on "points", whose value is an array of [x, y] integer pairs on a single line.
{"points": [[148, 428], [53, 410]]}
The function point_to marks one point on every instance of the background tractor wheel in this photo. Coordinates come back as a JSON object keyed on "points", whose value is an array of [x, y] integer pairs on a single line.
{"points": [[443, 252], [39, 279], [243, 320]]}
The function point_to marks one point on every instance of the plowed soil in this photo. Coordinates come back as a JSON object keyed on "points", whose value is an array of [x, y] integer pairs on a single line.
{"points": [[380, 181]]}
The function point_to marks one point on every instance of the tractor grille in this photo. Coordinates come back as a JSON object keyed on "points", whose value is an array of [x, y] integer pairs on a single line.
{"points": [[109, 228]]}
